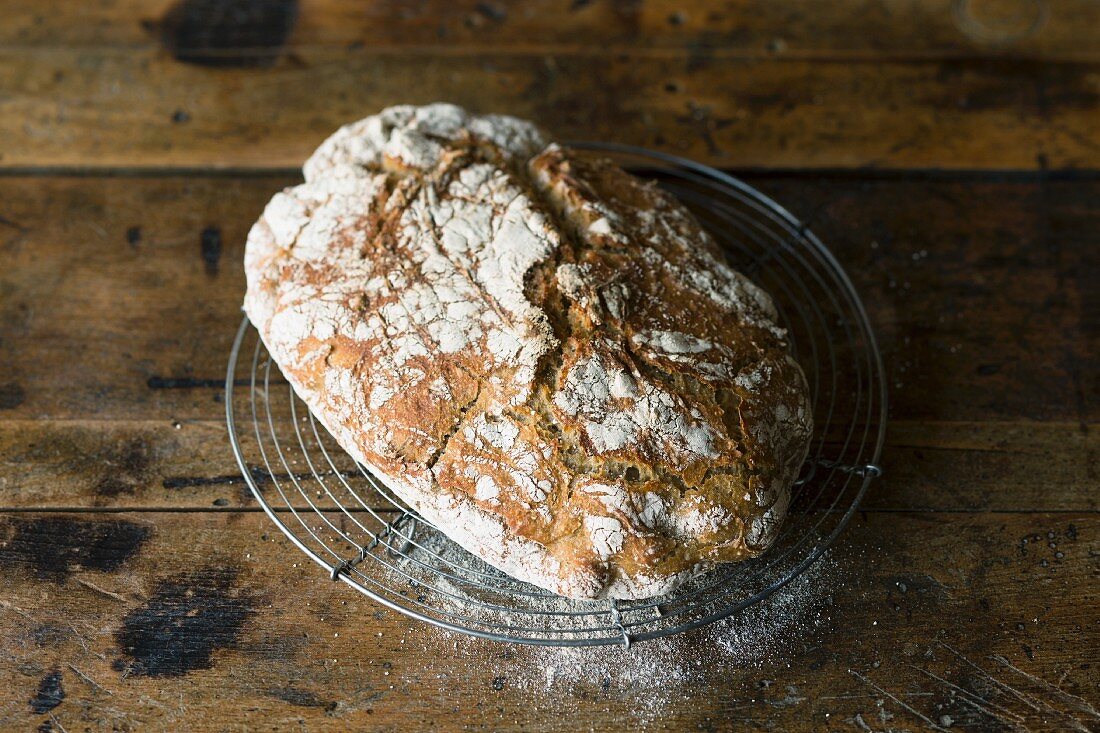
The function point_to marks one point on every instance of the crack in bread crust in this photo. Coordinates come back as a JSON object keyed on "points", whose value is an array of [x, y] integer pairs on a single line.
{"points": [[544, 356]]}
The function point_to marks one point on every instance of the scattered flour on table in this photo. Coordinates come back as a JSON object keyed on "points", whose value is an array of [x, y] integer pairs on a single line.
{"points": [[654, 674]]}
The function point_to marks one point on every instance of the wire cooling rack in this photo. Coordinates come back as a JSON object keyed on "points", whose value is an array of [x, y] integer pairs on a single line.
{"points": [[363, 535]]}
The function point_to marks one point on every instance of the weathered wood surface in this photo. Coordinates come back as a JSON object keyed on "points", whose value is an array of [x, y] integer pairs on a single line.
{"points": [[125, 108], [212, 622], [142, 588], [976, 83], [849, 29], [997, 269]]}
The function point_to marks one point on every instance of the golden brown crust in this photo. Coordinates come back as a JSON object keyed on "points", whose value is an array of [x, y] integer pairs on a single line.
{"points": [[544, 355]]}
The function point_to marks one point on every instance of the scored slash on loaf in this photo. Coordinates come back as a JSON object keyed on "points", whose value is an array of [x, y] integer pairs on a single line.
{"points": [[543, 355]]}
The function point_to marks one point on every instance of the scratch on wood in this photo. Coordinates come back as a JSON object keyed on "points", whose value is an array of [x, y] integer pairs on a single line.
{"points": [[926, 720], [1036, 704], [7, 606], [146, 700], [1009, 722], [1080, 704], [88, 679], [97, 589], [53, 718], [1025, 699], [869, 696], [976, 700]]}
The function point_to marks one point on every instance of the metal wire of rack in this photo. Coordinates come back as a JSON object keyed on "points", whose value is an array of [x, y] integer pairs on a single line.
{"points": [[362, 534]]}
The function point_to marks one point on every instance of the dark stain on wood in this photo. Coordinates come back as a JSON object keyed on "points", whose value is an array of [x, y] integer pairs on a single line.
{"points": [[187, 482], [133, 237], [49, 694], [45, 635], [12, 395], [56, 546], [4, 221], [210, 244], [492, 12], [229, 33], [127, 468], [186, 619], [259, 475], [157, 382], [301, 698], [112, 486]]}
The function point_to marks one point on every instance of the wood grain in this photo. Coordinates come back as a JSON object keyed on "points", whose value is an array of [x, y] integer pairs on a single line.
{"points": [[981, 291], [131, 464], [141, 108], [213, 622], [784, 28]]}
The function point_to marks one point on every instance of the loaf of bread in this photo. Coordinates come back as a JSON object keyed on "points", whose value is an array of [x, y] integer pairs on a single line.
{"points": [[545, 356]]}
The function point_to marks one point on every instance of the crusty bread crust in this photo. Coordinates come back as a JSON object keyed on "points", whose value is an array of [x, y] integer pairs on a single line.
{"points": [[543, 355]]}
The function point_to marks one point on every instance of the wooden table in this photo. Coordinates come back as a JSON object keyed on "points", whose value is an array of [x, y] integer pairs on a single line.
{"points": [[946, 150]]}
